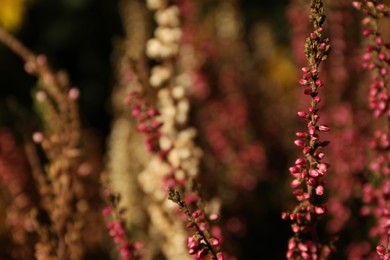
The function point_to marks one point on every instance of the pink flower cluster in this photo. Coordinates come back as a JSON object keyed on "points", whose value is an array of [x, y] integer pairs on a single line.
{"points": [[197, 246], [309, 170], [308, 185], [375, 57], [307, 250], [381, 143], [375, 195], [117, 231], [148, 123]]}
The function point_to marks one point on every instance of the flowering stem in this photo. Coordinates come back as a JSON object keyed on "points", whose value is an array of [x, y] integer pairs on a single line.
{"points": [[308, 171], [61, 145], [117, 228], [175, 196], [376, 61]]}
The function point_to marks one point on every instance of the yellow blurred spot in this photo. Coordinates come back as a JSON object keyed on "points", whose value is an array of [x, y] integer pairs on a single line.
{"points": [[11, 14], [283, 71]]}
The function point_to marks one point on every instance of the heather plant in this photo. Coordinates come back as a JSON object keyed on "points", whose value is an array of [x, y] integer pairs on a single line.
{"points": [[194, 161], [375, 60], [59, 181], [309, 171]]}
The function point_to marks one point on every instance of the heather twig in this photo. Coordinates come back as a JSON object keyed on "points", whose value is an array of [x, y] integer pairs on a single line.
{"points": [[61, 187], [117, 227], [203, 243], [309, 171], [376, 61]]}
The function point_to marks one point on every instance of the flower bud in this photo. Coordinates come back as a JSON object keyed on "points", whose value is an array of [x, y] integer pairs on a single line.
{"points": [[381, 250], [319, 190], [299, 143], [324, 128], [73, 94], [38, 137], [301, 134], [366, 32], [319, 210], [357, 5], [302, 114], [379, 40]]}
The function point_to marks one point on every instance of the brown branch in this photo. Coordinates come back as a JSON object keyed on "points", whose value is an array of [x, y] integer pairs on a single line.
{"points": [[16, 46]]}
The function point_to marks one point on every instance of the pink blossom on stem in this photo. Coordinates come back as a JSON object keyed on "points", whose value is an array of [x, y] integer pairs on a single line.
{"points": [[375, 195], [148, 123], [116, 228], [308, 184]]}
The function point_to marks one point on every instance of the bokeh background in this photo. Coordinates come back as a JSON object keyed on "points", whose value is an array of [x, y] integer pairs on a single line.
{"points": [[80, 36]]}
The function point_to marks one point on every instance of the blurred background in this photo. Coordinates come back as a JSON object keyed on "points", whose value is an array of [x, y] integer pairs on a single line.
{"points": [[80, 36]]}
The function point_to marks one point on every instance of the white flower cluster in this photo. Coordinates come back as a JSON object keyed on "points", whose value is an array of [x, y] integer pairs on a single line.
{"points": [[173, 104], [160, 74], [155, 4], [165, 43], [175, 137], [136, 174]]}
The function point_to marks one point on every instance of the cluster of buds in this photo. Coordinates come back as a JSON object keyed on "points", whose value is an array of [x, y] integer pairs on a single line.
{"points": [[116, 228], [309, 170], [375, 57], [199, 248], [375, 196], [148, 122], [381, 144], [183, 156], [175, 138], [306, 250], [165, 43], [167, 34], [375, 60], [202, 243], [196, 244], [383, 252]]}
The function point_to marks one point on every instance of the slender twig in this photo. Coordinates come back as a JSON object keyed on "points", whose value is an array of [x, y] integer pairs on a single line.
{"points": [[175, 196], [15, 45]]}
